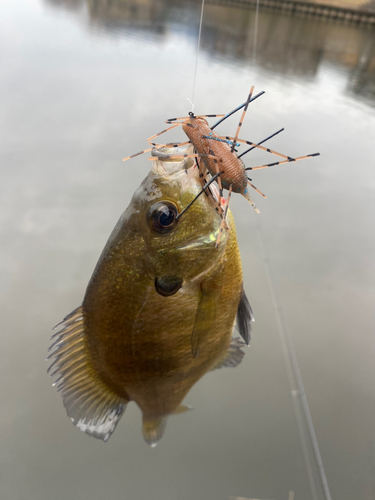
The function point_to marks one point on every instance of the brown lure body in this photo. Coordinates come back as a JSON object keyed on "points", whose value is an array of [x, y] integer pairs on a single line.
{"points": [[217, 155], [234, 174]]}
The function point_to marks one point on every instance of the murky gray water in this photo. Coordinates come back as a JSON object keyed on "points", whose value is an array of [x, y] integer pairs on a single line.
{"points": [[83, 84]]}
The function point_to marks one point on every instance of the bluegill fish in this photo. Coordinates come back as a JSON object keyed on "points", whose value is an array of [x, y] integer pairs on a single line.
{"points": [[159, 310]]}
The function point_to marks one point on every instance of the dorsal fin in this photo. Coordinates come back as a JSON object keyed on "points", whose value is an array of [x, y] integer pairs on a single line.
{"points": [[89, 403], [245, 317]]}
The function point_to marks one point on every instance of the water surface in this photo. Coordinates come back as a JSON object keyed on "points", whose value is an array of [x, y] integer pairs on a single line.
{"points": [[84, 83]]}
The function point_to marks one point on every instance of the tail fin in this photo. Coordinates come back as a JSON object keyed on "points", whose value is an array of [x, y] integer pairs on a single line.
{"points": [[153, 430]]}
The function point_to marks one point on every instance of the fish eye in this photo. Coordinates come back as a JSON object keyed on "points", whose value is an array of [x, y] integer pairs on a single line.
{"points": [[162, 216]]}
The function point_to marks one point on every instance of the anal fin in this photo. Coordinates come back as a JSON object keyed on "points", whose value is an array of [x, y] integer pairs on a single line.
{"points": [[89, 403], [182, 409]]}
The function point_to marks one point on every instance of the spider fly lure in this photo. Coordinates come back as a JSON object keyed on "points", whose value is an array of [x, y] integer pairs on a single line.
{"points": [[218, 156]]}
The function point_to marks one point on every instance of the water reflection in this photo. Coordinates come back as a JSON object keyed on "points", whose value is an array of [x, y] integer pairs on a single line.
{"points": [[285, 44], [67, 4], [76, 99], [362, 75]]}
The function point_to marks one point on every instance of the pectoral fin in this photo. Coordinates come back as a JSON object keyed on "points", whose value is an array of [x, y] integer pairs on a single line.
{"points": [[89, 403], [204, 319], [245, 317], [233, 356]]}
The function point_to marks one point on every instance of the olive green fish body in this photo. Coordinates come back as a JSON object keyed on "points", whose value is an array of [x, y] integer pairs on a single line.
{"points": [[159, 309], [140, 341]]}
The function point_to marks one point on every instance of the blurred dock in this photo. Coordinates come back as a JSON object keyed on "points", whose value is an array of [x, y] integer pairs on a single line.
{"points": [[353, 11]]}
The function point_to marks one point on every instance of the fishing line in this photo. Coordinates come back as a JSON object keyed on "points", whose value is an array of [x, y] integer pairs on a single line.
{"points": [[255, 32], [196, 59], [314, 464], [310, 447]]}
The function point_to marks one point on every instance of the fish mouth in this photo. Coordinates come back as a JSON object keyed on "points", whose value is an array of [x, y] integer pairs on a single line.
{"points": [[171, 161], [175, 163]]}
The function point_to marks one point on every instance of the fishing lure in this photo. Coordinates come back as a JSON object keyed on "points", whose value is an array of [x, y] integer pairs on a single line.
{"points": [[218, 156]]}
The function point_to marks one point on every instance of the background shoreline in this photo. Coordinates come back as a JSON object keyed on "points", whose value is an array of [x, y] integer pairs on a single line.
{"points": [[355, 11]]}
